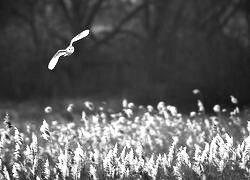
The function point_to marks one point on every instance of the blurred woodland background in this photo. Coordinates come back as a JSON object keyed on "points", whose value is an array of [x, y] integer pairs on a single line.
{"points": [[146, 50]]}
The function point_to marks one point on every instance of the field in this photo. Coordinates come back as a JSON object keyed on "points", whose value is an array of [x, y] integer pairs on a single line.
{"points": [[92, 141]]}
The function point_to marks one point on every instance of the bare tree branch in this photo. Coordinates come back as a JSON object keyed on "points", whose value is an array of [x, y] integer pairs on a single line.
{"points": [[178, 17], [118, 27], [133, 34], [91, 16], [22, 16], [222, 23], [28, 17], [84, 8], [147, 17], [161, 10], [64, 7], [57, 35], [215, 12], [76, 10]]}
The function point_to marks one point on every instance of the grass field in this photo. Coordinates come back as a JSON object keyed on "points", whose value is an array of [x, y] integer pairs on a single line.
{"points": [[92, 141]]}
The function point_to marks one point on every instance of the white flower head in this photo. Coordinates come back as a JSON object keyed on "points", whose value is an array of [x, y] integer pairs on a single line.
{"points": [[234, 100], [196, 91], [70, 107], [216, 108], [48, 109]]}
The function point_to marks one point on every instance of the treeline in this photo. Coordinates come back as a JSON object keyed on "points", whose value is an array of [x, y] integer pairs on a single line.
{"points": [[142, 49]]}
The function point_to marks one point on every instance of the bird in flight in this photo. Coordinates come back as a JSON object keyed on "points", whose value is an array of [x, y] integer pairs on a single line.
{"points": [[68, 51]]}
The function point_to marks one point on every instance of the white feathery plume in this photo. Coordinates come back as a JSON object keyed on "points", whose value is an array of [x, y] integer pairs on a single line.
{"points": [[130, 156], [185, 157], [139, 150], [1, 163], [1, 146], [124, 103], [197, 153], [205, 152], [7, 121], [46, 171], [115, 151], [107, 164], [15, 169], [200, 106], [151, 167], [33, 145], [78, 158], [62, 164], [93, 172], [17, 136], [78, 153], [28, 154], [171, 152], [34, 166], [45, 130], [248, 127], [123, 154], [6, 173], [17, 153]]}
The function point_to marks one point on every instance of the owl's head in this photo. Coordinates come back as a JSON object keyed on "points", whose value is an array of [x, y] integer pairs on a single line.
{"points": [[70, 49]]}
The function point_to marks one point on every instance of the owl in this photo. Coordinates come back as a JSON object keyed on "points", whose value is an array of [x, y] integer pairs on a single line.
{"points": [[68, 51]]}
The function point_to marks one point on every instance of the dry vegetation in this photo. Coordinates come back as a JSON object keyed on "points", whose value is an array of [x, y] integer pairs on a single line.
{"points": [[136, 143]]}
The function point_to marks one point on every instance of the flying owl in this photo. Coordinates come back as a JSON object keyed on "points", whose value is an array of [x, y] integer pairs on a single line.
{"points": [[68, 51]]}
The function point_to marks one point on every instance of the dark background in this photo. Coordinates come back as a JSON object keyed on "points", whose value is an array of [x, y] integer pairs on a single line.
{"points": [[144, 50]]}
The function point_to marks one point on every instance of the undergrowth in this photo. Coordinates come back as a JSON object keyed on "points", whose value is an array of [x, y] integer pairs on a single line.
{"points": [[137, 143]]}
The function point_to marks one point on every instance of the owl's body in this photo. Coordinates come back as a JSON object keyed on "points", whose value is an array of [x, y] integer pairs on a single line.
{"points": [[68, 51]]}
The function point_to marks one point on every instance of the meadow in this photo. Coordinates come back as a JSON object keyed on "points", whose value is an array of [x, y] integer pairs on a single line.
{"points": [[93, 141]]}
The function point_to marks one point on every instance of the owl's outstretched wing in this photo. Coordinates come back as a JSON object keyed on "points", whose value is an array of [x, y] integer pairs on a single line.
{"points": [[79, 36], [55, 59]]}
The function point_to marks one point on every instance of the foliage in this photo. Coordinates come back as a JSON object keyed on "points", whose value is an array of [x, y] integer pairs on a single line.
{"points": [[136, 143]]}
